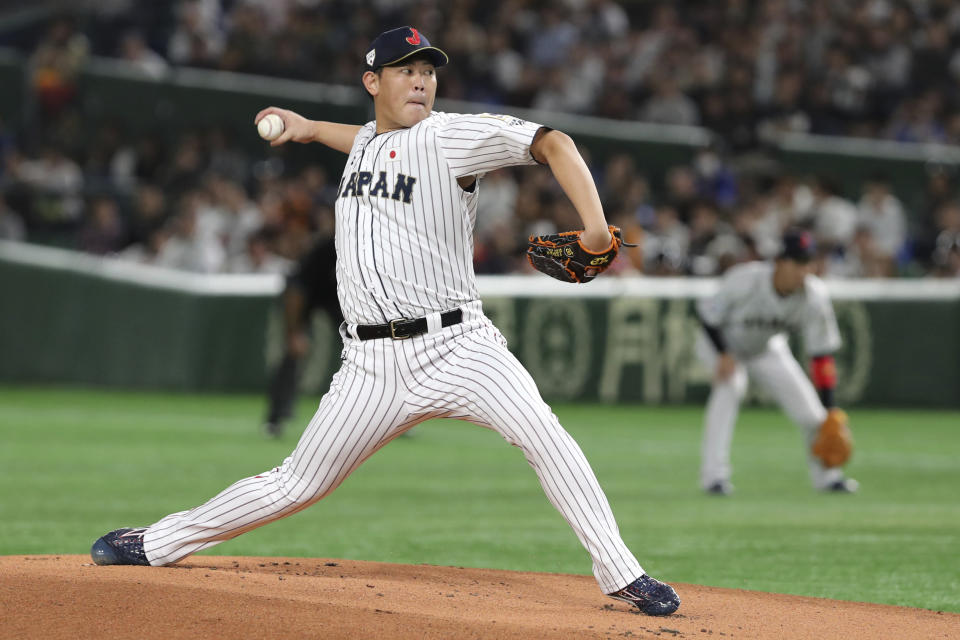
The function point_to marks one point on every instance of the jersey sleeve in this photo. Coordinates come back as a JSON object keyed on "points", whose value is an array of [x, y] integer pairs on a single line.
{"points": [[477, 144], [821, 335]]}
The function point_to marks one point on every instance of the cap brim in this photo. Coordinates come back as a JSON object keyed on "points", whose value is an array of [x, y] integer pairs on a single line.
{"points": [[437, 56]]}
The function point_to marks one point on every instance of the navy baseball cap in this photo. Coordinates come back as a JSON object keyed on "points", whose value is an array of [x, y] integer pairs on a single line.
{"points": [[798, 245], [399, 44]]}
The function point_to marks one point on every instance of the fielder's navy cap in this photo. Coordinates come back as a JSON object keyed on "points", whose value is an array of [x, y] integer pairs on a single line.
{"points": [[798, 245], [399, 44]]}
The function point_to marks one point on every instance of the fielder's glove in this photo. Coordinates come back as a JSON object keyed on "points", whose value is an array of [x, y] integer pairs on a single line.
{"points": [[834, 442], [563, 256]]}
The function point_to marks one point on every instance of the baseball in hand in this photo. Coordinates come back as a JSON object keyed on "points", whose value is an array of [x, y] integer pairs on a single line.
{"points": [[270, 126]]}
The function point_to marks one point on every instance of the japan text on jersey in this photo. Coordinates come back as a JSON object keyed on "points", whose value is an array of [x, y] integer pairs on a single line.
{"points": [[402, 188], [405, 225]]}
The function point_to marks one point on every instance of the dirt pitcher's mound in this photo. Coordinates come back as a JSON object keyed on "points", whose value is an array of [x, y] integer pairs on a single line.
{"points": [[219, 597]]}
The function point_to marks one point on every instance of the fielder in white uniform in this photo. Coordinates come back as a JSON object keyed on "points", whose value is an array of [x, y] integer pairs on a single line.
{"points": [[416, 342], [744, 335]]}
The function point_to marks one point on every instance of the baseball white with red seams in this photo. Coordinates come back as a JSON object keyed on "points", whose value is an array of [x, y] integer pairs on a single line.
{"points": [[270, 126]]}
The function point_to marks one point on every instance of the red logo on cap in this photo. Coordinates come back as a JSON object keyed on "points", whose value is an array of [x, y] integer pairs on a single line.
{"points": [[804, 240], [415, 37]]}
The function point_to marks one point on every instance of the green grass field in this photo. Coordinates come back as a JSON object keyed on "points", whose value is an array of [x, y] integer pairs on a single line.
{"points": [[76, 463]]}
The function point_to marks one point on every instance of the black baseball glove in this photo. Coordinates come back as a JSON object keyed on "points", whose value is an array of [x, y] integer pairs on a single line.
{"points": [[563, 256]]}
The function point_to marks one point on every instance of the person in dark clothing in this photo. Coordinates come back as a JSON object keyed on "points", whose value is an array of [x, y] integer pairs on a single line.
{"points": [[310, 287]]}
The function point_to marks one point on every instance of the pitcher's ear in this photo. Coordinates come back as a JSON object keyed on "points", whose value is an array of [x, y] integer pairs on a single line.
{"points": [[371, 82]]}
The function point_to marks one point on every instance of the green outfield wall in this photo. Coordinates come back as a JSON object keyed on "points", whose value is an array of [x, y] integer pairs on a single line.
{"points": [[63, 327], [640, 349], [68, 318]]}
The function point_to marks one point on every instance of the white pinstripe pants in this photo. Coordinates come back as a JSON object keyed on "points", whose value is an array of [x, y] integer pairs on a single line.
{"points": [[385, 387]]}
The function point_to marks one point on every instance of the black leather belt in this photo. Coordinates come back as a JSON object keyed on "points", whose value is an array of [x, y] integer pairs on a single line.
{"points": [[406, 328]]}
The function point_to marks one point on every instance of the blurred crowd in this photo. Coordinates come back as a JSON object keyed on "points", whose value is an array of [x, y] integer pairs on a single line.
{"points": [[703, 218], [749, 70], [197, 203]]}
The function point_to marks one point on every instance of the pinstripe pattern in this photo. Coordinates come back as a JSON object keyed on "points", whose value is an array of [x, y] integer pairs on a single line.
{"points": [[399, 259]]}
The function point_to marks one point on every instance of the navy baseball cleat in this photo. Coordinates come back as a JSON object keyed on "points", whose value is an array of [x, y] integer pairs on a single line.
{"points": [[121, 546], [651, 596]]}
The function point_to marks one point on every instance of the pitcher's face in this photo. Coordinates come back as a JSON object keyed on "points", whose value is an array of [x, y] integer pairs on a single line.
{"points": [[403, 94]]}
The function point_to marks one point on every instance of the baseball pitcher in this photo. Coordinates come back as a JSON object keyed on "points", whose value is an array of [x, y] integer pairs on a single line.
{"points": [[416, 344]]}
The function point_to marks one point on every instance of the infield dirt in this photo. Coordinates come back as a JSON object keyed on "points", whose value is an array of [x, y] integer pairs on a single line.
{"points": [[67, 596]]}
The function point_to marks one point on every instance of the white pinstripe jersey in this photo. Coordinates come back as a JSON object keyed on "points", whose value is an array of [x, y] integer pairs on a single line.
{"points": [[748, 311], [404, 231]]}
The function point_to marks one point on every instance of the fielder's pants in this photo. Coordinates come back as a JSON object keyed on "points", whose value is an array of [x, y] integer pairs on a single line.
{"points": [[778, 372]]}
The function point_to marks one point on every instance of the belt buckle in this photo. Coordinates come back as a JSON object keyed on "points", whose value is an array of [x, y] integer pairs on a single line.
{"points": [[393, 329]]}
